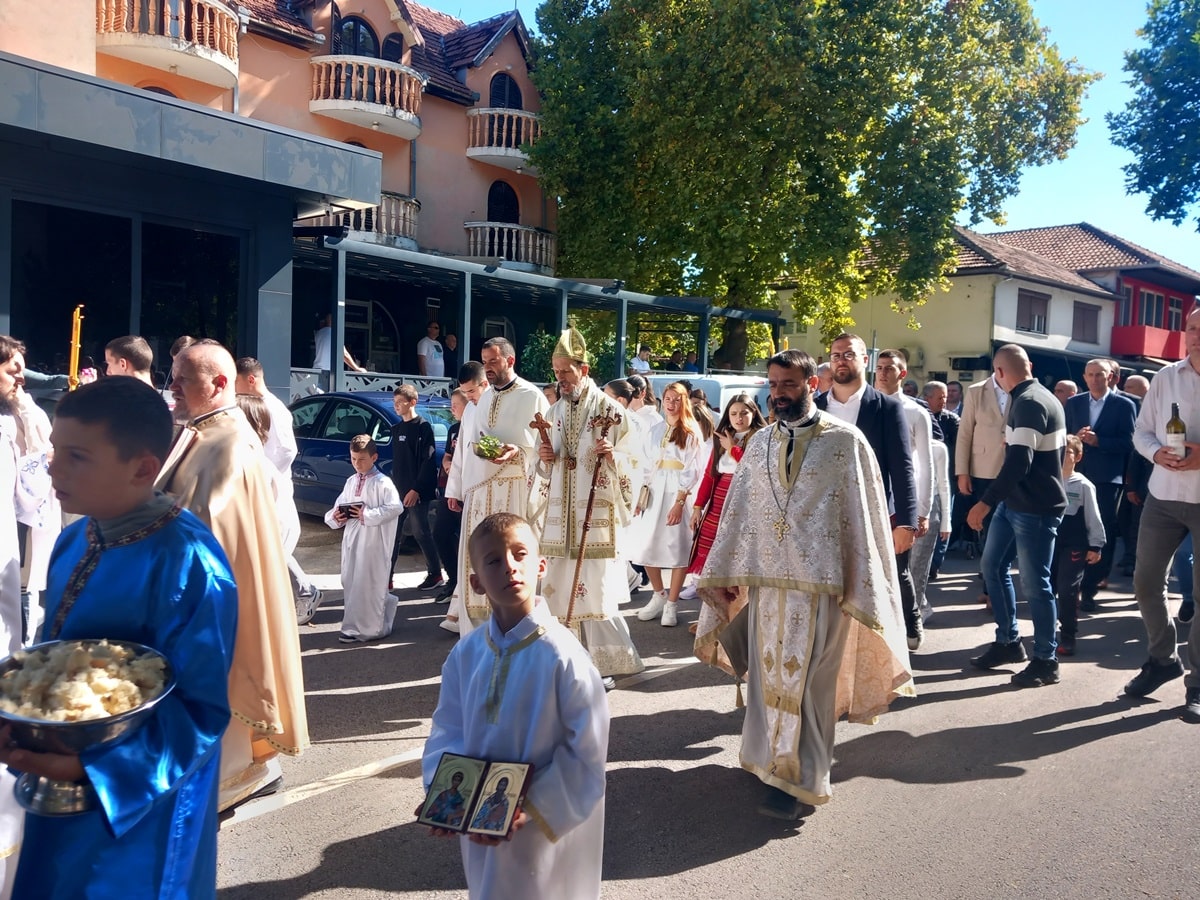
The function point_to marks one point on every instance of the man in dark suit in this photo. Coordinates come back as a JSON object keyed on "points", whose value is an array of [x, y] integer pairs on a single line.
{"points": [[1104, 421], [881, 420]]}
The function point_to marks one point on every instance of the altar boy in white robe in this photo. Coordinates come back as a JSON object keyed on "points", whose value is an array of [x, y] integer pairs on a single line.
{"points": [[367, 508], [485, 710]]}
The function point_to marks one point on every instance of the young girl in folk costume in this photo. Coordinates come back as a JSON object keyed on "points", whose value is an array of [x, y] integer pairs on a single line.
{"points": [[367, 508], [662, 534], [739, 423]]}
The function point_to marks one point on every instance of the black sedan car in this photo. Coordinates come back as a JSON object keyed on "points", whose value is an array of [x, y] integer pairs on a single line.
{"points": [[324, 425]]}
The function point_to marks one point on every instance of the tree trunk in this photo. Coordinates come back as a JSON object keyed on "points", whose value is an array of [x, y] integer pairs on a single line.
{"points": [[735, 345]]}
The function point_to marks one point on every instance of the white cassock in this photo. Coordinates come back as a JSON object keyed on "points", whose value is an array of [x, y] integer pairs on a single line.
{"points": [[370, 609], [280, 449], [672, 469], [37, 505], [12, 817], [603, 583], [486, 710], [482, 486]]}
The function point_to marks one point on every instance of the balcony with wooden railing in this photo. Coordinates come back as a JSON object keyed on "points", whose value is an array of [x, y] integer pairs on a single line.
{"points": [[526, 247], [392, 222], [371, 93], [501, 137], [197, 39]]}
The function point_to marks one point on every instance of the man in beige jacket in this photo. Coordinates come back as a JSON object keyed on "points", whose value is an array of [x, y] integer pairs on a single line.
{"points": [[979, 452]]}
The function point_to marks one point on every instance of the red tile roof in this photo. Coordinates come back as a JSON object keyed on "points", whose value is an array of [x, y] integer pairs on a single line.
{"points": [[1086, 248], [278, 14], [978, 253]]}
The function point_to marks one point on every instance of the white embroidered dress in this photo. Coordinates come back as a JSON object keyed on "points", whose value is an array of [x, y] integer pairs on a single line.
{"points": [[370, 609]]}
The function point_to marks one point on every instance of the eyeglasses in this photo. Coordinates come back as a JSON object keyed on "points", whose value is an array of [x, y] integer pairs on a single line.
{"points": [[847, 356]]}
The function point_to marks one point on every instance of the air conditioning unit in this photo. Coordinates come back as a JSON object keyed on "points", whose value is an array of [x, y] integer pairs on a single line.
{"points": [[915, 357]]}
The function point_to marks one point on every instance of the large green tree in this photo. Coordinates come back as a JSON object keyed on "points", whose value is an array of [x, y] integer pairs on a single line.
{"points": [[711, 147], [1161, 123]]}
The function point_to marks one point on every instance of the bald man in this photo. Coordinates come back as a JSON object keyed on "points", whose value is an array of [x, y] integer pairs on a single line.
{"points": [[1029, 497], [218, 470], [1065, 390]]}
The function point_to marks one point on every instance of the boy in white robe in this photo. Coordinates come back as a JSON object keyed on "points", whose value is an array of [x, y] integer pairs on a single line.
{"points": [[485, 710], [367, 508]]}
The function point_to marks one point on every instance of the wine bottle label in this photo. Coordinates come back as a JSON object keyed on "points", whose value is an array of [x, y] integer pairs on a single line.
{"points": [[1175, 444]]}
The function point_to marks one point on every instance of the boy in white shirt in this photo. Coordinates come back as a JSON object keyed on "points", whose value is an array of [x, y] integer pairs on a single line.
{"points": [[486, 710], [1078, 545], [367, 509]]}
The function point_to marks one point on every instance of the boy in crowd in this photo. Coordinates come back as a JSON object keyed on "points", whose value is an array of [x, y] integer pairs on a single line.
{"points": [[485, 710], [137, 568], [1079, 543], [414, 472], [367, 508]]}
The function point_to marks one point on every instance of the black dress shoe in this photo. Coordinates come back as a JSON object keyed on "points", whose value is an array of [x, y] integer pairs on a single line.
{"points": [[1191, 705], [781, 805], [1039, 673], [1000, 655], [1153, 676]]}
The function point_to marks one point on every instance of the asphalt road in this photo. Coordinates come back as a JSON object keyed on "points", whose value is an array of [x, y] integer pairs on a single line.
{"points": [[975, 789]]}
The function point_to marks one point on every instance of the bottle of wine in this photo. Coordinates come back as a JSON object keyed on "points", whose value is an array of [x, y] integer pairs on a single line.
{"points": [[1176, 432]]}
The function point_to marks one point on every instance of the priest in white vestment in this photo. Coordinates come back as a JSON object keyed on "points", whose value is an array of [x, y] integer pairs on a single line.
{"points": [[577, 447], [804, 545], [505, 484]]}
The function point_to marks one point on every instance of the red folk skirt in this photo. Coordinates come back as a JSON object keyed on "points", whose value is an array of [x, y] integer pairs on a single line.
{"points": [[708, 528]]}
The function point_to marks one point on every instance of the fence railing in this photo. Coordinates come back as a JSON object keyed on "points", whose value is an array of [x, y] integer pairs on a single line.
{"points": [[395, 216], [364, 79], [206, 23], [505, 128], [513, 243]]}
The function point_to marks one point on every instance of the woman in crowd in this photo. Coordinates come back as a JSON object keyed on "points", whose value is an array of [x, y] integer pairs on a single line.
{"points": [[661, 536], [643, 401], [739, 423], [624, 392]]}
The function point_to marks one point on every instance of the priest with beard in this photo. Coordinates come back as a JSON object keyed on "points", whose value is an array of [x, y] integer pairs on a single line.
{"points": [[577, 447], [217, 469], [804, 552], [504, 483]]}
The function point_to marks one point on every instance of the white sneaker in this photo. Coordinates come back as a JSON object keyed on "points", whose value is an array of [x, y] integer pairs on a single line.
{"points": [[634, 578], [689, 592], [651, 610], [450, 625], [670, 614]]}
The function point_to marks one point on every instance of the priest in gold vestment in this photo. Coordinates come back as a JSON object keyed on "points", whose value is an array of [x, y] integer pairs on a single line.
{"points": [[804, 548], [217, 469], [578, 446]]}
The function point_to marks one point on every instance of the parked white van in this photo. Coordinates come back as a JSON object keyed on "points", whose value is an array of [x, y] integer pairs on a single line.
{"points": [[717, 388]]}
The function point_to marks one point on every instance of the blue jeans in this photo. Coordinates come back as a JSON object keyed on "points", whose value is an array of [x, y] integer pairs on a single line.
{"points": [[1032, 537]]}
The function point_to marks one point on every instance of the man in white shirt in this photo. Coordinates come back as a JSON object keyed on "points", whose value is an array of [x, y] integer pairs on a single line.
{"points": [[1171, 512], [640, 364], [890, 371], [323, 350], [430, 361]]}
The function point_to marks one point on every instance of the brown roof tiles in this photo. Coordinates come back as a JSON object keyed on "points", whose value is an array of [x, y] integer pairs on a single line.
{"points": [[1086, 248]]}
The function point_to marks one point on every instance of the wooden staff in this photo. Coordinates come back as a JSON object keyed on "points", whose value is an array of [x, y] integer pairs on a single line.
{"points": [[73, 367], [605, 422]]}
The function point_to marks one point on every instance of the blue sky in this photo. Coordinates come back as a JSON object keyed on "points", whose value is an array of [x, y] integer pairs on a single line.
{"points": [[1089, 185]]}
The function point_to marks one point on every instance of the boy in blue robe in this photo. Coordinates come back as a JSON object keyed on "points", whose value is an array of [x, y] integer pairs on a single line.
{"points": [[140, 569]]}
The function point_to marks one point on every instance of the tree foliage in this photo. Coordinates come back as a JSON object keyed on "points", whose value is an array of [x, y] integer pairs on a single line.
{"points": [[708, 148], [1160, 125]]}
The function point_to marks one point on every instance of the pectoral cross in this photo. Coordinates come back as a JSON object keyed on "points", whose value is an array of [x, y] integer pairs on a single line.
{"points": [[542, 427], [781, 527]]}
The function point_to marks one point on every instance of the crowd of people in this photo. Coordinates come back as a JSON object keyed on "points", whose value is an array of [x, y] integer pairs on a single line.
{"points": [[807, 532]]}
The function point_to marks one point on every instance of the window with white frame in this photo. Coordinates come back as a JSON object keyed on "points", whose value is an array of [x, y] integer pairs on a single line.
{"points": [[1151, 309], [1033, 309], [1175, 313], [1124, 312]]}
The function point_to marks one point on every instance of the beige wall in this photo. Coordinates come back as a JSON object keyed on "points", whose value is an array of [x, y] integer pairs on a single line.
{"points": [[61, 34], [952, 323]]}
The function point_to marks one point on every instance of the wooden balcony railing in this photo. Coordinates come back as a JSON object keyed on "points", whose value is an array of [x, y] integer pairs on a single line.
{"points": [[362, 79], [208, 24], [512, 243], [394, 217], [509, 129]]}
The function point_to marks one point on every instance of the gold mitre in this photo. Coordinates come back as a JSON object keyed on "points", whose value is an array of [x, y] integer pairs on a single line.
{"points": [[571, 346]]}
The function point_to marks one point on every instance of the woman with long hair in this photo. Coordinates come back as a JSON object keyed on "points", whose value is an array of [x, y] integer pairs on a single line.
{"points": [[643, 401], [738, 424], [661, 536]]}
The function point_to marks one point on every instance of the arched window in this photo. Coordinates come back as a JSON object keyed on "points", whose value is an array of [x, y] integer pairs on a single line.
{"points": [[154, 89], [503, 206], [502, 203], [393, 48], [357, 38], [504, 93]]}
